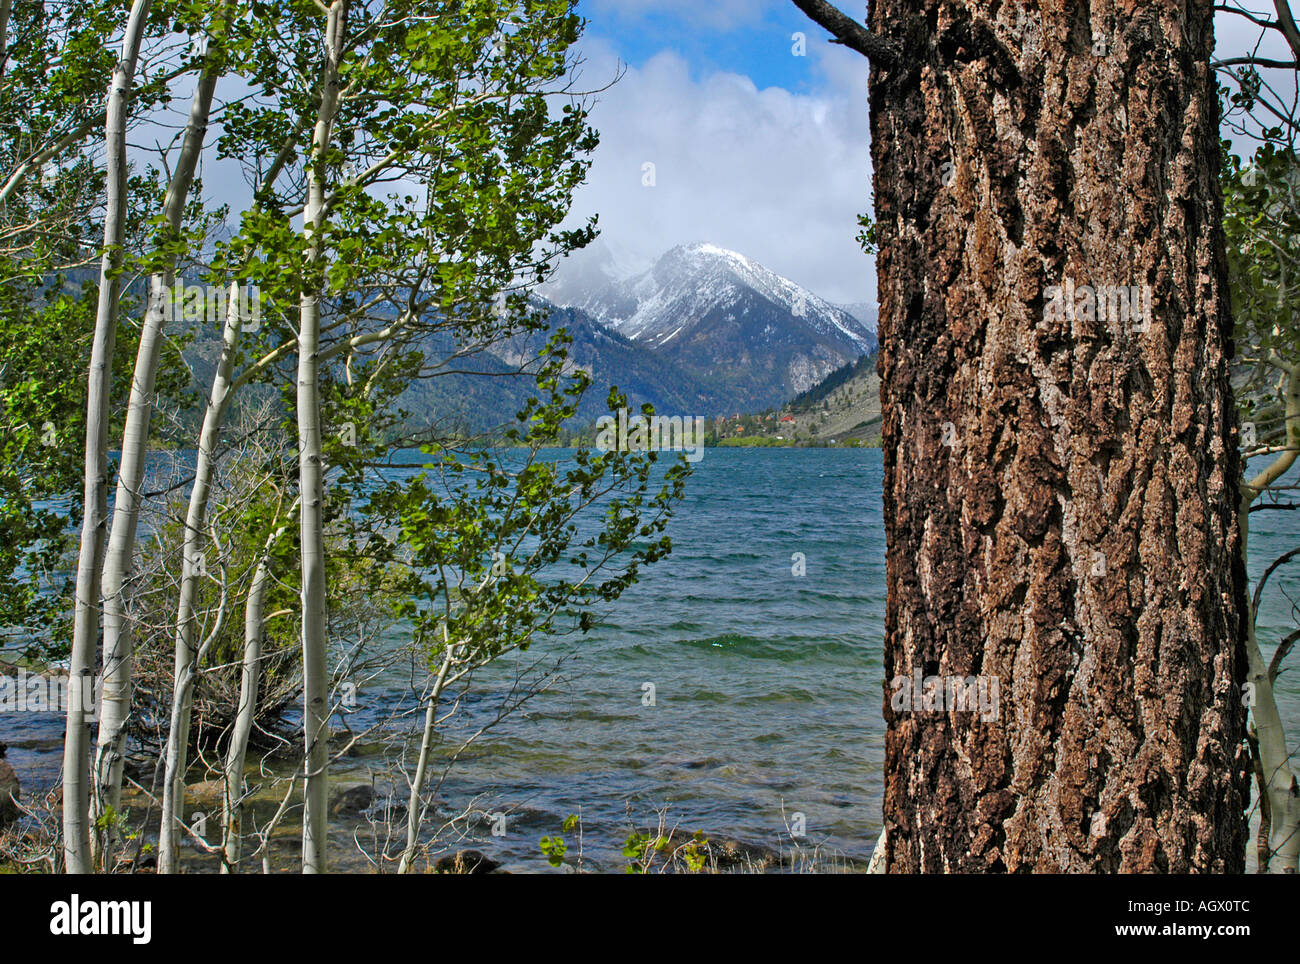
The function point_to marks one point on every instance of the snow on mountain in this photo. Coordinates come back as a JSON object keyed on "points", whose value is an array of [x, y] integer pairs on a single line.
{"points": [[694, 280], [744, 333]]}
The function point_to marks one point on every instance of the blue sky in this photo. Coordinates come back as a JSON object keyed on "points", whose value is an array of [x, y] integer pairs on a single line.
{"points": [[753, 38], [754, 148]]}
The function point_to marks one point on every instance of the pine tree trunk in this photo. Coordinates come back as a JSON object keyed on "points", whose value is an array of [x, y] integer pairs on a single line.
{"points": [[1060, 485], [85, 638]]}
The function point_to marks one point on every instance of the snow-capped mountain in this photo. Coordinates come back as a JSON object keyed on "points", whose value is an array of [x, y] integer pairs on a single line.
{"points": [[754, 336], [695, 280]]}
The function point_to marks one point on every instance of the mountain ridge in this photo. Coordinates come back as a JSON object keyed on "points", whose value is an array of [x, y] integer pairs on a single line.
{"points": [[703, 332], [752, 335]]}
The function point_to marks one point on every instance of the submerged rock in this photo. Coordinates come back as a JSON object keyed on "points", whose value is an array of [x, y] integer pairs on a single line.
{"points": [[739, 854], [466, 862], [352, 801], [10, 791], [727, 853]]}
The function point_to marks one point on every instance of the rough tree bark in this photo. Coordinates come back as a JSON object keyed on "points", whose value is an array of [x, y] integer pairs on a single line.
{"points": [[85, 639], [1059, 498]]}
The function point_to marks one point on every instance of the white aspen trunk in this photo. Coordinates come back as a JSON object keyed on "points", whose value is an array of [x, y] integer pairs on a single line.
{"points": [[119, 645], [877, 863], [249, 682], [415, 805], [315, 823], [1283, 793], [192, 570], [81, 668], [6, 7], [1280, 782], [232, 818], [311, 536]]}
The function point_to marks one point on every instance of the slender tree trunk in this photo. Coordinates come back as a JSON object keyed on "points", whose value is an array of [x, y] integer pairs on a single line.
{"points": [[232, 822], [1060, 494], [119, 645], [1262, 852], [315, 824], [193, 567], [1280, 794], [6, 7], [81, 669], [877, 863], [249, 683], [1282, 816], [415, 804]]}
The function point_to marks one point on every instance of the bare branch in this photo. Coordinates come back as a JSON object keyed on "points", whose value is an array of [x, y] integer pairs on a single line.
{"points": [[849, 32], [1284, 647]]}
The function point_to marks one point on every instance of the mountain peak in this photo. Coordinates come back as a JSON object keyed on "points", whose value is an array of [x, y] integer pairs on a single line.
{"points": [[709, 308], [691, 278], [709, 249], [703, 255]]}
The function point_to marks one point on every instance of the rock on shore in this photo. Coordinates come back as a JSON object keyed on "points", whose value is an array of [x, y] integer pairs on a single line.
{"points": [[10, 791]]}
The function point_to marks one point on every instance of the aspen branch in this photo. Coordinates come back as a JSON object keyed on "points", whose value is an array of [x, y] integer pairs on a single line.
{"points": [[1286, 24]]}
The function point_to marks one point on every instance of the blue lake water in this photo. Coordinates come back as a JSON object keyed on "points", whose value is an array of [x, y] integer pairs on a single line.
{"points": [[767, 684]]}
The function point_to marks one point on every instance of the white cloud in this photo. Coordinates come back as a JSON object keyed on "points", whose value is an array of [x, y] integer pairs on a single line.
{"points": [[776, 175]]}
